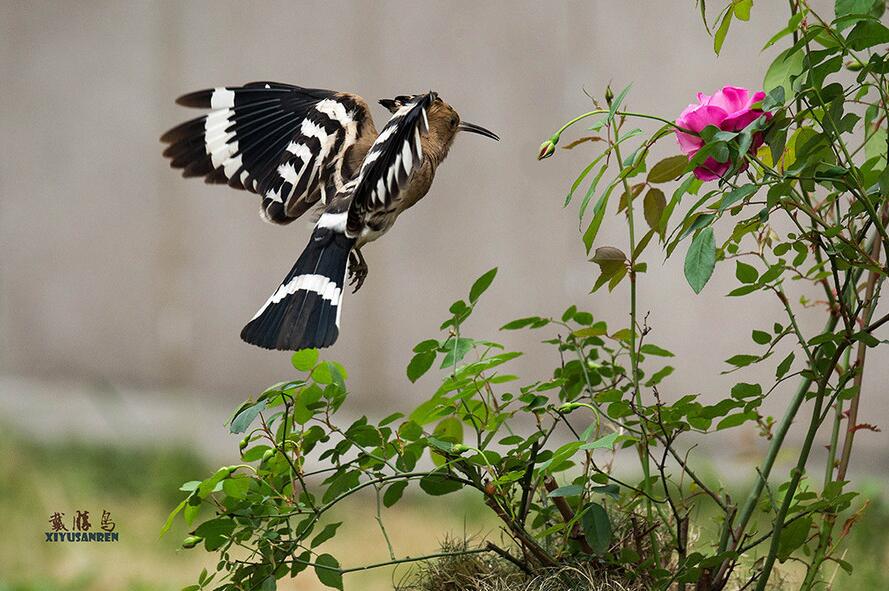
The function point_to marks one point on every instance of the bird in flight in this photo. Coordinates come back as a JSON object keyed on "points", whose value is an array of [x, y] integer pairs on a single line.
{"points": [[305, 148]]}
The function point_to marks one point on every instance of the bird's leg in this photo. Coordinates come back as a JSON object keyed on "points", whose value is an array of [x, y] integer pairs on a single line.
{"points": [[357, 269]]}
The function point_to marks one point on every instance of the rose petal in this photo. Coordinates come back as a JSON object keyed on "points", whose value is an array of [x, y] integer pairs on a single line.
{"points": [[757, 96], [689, 144], [685, 112], [740, 120], [731, 99], [699, 118]]}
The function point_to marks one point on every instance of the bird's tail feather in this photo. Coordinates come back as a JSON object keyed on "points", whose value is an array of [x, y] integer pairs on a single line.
{"points": [[304, 312]]}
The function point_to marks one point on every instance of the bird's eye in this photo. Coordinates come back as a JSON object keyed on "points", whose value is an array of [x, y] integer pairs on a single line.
{"points": [[454, 121]]}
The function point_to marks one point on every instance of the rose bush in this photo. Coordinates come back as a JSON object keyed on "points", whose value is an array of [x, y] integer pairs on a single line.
{"points": [[730, 109]]}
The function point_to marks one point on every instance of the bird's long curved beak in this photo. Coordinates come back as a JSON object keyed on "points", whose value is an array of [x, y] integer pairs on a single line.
{"points": [[473, 128]]}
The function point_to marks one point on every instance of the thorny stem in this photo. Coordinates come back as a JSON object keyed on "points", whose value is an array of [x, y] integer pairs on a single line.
{"points": [[634, 359], [843, 464], [799, 470], [873, 278], [379, 519]]}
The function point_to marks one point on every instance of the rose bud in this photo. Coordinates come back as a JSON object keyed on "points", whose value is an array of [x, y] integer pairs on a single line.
{"points": [[547, 149], [192, 541]]}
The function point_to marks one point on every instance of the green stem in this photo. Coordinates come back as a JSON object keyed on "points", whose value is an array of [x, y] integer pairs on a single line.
{"points": [[634, 358], [799, 470], [558, 134], [777, 442]]}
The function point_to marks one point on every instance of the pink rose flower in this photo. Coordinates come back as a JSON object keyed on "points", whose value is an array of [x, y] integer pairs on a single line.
{"points": [[729, 109]]}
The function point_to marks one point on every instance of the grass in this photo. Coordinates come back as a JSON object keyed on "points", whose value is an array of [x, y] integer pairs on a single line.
{"points": [[139, 486]]}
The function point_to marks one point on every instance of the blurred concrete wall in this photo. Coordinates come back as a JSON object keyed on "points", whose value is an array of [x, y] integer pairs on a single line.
{"points": [[116, 270]]}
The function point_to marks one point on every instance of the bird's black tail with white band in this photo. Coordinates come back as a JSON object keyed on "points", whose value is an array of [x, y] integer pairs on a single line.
{"points": [[304, 312]]}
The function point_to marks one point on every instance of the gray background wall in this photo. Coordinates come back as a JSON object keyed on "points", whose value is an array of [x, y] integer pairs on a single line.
{"points": [[116, 272]]}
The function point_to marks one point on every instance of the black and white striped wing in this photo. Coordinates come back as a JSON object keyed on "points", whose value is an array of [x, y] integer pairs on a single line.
{"points": [[387, 167], [285, 143]]}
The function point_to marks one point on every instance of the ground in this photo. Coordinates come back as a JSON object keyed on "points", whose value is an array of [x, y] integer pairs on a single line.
{"points": [[138, 487]]}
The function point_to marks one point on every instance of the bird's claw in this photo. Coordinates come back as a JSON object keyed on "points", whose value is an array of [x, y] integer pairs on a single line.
{"points": [[357, 271]]}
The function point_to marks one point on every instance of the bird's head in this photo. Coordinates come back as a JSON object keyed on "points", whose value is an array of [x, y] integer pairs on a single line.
{"points": [[444, 122]]}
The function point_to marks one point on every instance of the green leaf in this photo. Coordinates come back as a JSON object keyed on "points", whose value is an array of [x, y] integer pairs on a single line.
{"points": [[668, 169], [427, 345], [736, 419], [215, 532], [743, 290], [329, 372], [596, 330], [722, 31], [612, 490], [867, 34], [190, 485], [654, 204], [793, 535], [866, 338], [394, 492], [745, 273], [761, 337], [247, 415], [598, 215], [788, 64], [596, 527], [300, 563], [439, 483], [742, 9], [700, 260], [579, 180], [792, 25], [742, 360], [616, 103], [169, 522], [650, 349], [420, 364], [571, 490], [745, 390], [532, 321], [456, 350], [325, 534], [327, 569], [784, 366], [847, 7], [481, 284], [735, 195], [236, 488], [606, 442], [341, 483], [449, 429], [659, 375], [305, 359]]}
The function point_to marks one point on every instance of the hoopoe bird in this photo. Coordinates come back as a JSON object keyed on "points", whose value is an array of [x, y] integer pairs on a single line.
{"points": [[303, 148]]}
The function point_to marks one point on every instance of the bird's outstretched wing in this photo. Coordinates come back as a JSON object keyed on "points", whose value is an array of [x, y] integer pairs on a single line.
{"points": [[288, 144], [395, 153]]}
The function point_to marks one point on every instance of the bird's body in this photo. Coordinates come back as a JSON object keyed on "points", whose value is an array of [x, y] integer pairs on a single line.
{"points": [[298, 148]]}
